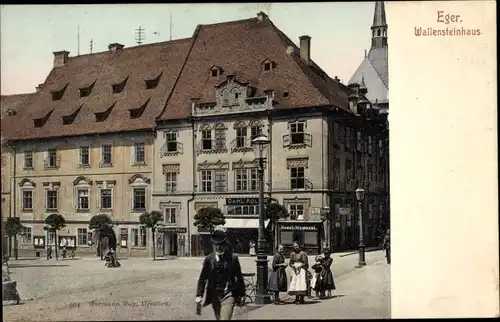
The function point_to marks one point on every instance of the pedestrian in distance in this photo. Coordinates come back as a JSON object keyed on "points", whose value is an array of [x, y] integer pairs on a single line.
{"points": [[278, 281], [252, 251], [221, 280], [49, 252], [328, 280], [387, 245]]}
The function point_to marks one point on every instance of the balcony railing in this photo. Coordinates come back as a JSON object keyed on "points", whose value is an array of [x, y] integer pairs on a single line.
{"points": [[171, 148], [211, 146], [241, 145]]}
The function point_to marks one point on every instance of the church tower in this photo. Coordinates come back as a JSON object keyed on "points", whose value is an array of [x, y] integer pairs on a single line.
{"points": [[379, 26]]}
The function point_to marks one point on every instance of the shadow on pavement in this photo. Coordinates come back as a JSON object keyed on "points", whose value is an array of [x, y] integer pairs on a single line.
{"points": [[28, 265]]}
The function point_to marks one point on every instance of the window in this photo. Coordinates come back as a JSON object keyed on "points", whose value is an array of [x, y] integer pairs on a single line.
{"points": [[170, 215], [359, 140], [336, 174], [243, 210], [27, 200], [139, 153], [171, 181], [225, 97], [171, 140], [297, 179], [124, 237], [255, 131], [84, 156], [220, 139], [51, 160], [206, 181], [83, 199], [297, 132], [310, 238], [206, 139], [267, 66], [28, 159], [139, 198], [246, 180], [370, 147], [241, 137], [142, 233], [241, 176], [296, 211], [106, 155], [51, 201], [26, 235], [51, 237], [82, 237], [380, 148], [348, 173], [106, 199], [348, 138], [220, 181], [215, 72], [138, 237]]}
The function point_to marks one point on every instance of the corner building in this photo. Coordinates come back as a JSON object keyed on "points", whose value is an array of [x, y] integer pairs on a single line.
{"points": [[240, 78]]}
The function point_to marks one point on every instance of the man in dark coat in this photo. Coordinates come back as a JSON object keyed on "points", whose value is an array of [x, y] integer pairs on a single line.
{"points": [[387, 245], [222, 277], [278, 281]]}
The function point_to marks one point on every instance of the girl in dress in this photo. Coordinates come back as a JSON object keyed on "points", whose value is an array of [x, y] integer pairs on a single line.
{"points": [[328, 281], [317, 281]]}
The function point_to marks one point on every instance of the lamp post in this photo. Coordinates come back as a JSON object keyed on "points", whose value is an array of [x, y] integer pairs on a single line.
{"points": [[325, 215], [260, 144], [360, 194]]}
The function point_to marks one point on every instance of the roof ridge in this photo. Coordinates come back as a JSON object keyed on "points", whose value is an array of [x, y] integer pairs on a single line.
{"points": [[231, 22]]}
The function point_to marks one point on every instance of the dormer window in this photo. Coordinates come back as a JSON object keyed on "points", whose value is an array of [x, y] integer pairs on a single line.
{"points": [[137, 112], [69, 119], [236, 96], [84, 92], [39, 122], [268, 65], [102, 116], [118, 88], [11, 112], [57, 95], [215, 71], [152, 83], [286, 94]]}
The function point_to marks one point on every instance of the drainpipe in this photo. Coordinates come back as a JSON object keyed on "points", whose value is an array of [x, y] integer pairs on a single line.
{"points": [[193, 138], [14, 197]]}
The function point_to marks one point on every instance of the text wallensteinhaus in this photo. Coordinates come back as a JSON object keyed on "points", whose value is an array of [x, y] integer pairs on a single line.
{"points": [[446, 32]]}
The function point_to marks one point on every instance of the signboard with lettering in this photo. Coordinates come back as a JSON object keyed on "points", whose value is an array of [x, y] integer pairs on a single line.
{"points": [[345, 211], [242, 201], [298, 227], [177, 230]]}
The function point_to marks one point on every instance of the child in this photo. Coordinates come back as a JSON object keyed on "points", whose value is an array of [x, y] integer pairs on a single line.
{"points": [[317, 282]]}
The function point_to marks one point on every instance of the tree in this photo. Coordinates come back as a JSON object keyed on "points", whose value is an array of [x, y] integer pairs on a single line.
{"points": [[54, 223], [98, 223], [274, 212], [151, 220], [208, 218], [13, 227]]}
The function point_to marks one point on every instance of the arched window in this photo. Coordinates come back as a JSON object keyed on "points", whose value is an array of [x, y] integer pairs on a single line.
{"points": [[225, 97], [378, 33]]}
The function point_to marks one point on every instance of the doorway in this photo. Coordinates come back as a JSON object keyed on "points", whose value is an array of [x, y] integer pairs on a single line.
{"points": [[170, 247]]}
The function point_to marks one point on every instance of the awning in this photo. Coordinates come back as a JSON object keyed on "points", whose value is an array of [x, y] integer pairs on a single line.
{"points": [[243, 223]]}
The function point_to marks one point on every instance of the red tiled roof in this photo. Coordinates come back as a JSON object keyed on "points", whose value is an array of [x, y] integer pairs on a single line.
{"points": [[105, 69], [12, 103], [240, 48]]}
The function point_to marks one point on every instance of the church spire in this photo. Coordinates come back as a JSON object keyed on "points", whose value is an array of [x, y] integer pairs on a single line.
{"points": [[379, 26]]}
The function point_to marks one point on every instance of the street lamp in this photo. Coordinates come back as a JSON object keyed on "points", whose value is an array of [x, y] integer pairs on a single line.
{"points": [[260, 144], [325, 215], [360, 194]]}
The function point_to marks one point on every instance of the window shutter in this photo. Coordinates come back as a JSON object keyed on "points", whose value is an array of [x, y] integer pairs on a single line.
{"points": [[308, 139], [286, 140]]}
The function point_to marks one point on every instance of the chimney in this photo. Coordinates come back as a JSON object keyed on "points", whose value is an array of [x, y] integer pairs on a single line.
{"points": [[355, 87], [336, 79], [305, 48], [115, 46], [39, 88], [60, 58], [261, 16]]}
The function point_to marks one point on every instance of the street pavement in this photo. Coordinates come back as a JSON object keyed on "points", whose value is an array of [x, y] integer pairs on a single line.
{"points": [[83, 289]]}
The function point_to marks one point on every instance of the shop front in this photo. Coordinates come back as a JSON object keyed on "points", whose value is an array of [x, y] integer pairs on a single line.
{"points": [[173, 241], [307, 233]]}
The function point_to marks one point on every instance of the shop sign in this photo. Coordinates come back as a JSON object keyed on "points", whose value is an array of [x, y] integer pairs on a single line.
{"points": [[177, 230], [298, 227], [241, 201]]}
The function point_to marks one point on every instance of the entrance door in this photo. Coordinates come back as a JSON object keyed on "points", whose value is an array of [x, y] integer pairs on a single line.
{"points": [[171, 245]]}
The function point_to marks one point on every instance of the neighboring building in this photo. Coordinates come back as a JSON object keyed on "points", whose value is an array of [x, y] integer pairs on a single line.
{"points": [[83, 144], [9, 105], [242, 77], [373, 74]]}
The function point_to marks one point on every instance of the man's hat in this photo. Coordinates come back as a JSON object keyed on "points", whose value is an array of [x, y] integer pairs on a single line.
{"points": [[218, 237]]}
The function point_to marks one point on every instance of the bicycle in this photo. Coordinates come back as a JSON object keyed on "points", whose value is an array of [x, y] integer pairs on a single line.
{"points": [[251, 288]]}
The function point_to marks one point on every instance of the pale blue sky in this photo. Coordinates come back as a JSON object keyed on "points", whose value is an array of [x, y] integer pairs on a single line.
{"points": [[340, 32]]}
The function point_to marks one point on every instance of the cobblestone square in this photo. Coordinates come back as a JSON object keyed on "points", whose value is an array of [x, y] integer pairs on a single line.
{"points": [[83, 289]]}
